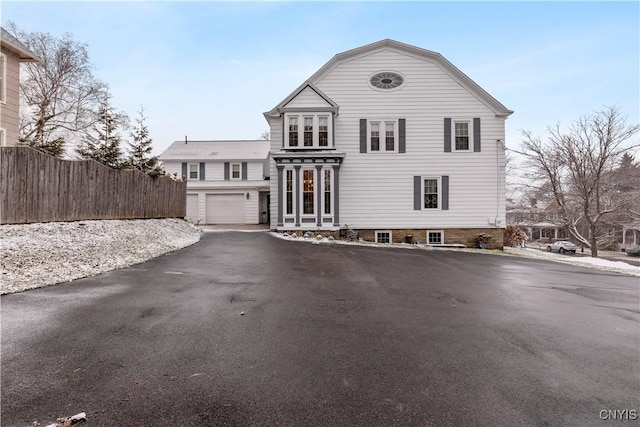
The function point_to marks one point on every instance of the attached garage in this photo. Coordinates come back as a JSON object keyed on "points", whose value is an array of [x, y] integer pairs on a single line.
{"points": [[225, 208], [192, 208]]}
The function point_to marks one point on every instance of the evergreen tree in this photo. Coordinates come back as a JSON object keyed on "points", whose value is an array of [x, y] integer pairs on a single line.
{"points": [[140, 149], [103, 145]]}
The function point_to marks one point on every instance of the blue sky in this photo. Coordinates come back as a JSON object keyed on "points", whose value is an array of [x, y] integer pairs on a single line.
{"points": [[210, 69]]}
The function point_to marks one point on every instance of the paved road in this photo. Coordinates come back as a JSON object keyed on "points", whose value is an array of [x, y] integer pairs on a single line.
{"points": [[331, 335]]}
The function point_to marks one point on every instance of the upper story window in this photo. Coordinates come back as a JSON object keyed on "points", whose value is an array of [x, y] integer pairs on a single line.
{"points": [[386, 80], [461, 132], [235, 170], [323, 131], [194, 171], [293, 131], [3, 77], [382, 136], [308, 131]]}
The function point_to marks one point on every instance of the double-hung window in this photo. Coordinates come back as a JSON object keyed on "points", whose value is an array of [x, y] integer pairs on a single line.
{"points": [[461, 135], [235, 170], [293, 131], [308, 131], [194, 171], [383, 136], [431, 193], [323, 131]]}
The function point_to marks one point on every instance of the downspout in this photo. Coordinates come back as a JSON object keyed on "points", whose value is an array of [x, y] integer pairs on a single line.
{"points": [[501, 144]]}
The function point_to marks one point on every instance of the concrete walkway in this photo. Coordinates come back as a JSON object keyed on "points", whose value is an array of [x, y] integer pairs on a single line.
{"points": [[234, 227]]}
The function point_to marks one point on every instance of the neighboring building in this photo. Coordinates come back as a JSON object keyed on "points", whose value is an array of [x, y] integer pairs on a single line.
{"points": [[538, 224], [13, 52], [390, 140], [226, 180]]}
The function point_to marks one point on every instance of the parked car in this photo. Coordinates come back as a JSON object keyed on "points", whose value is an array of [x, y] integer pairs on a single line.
{"points": [[562, 246]]}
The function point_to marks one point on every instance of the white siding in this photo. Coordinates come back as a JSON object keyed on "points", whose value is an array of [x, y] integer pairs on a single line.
{"points": [[376, 190], [276, 145], [193, 208], [173, 167], [308, 98]]}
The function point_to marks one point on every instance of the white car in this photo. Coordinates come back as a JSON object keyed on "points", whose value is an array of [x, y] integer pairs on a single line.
{"points": [[562, 246]]}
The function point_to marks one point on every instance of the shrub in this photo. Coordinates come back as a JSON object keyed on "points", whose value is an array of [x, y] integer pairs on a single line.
{"points": [[513, 236]]}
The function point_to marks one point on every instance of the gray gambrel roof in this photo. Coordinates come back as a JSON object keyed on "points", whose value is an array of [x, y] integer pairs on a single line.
{"points": [[17, 46], [448, 67], [217, 150]]}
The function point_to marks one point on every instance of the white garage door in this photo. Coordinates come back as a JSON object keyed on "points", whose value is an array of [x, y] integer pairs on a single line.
{"points": [[225, 208], [192, 207]]}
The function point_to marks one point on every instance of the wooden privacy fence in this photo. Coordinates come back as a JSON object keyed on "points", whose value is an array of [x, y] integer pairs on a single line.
{"points": [[36, 187]]}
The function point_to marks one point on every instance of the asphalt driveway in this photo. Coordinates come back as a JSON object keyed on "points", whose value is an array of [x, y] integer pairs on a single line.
{"points": [[248, 329]]}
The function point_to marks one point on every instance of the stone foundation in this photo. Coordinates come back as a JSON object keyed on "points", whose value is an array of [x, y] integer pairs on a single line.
{"points": [[463, 236]]}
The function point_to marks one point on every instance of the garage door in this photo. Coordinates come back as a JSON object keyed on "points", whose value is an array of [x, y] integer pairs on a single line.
{"points": [[225, 208], [192, 207]]}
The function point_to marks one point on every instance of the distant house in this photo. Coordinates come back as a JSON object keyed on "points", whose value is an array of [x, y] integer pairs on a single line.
{"points": [[393, 141], [13, 52], [226, 180]]}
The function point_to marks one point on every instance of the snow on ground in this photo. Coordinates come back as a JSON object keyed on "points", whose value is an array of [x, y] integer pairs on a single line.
{"points": [[37, 255], [596, 263]]}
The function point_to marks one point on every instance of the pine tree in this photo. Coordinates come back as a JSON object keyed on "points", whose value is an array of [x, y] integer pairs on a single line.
{"points": [[104, 145], [140, 149]]}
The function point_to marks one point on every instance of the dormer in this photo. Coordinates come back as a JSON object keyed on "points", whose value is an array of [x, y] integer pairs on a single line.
{"points": [[308, 118]]}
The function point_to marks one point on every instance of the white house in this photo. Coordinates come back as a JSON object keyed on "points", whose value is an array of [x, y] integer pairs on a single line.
{"points": [[227, 181], [393, 141]]}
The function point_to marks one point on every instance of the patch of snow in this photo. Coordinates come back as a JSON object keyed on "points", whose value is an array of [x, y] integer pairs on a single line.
{"points": [[42, 254]]}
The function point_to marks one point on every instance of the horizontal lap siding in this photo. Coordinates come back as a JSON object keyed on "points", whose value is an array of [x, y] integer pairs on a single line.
{"points": [[383, 183], [276, 145], [9, 111], [307, 98]]}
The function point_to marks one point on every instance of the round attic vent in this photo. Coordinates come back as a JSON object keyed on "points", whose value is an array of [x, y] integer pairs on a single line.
{"points": [[386, 80]]}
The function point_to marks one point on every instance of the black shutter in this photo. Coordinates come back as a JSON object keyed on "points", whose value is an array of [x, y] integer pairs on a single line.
{"points": [[445, 193], [363, 135], [201, 171], [226, 171], [476, 134], [402, 139], [417, 196], [184, 171], [244, 171], [447, 135]]}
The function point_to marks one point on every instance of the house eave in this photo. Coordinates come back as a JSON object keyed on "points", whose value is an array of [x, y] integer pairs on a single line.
{"points": [[11, 43], [498, 108]]}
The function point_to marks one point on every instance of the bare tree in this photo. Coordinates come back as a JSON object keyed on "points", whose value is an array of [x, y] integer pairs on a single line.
{"points": [[59, 97], [265, 135], [578, 167]]}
